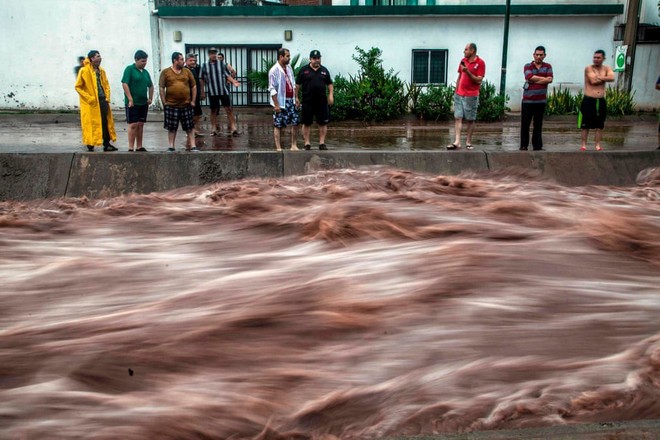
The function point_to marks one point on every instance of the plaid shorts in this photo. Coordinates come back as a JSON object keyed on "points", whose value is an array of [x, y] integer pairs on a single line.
{"points": [[175, 114], [288, 116]]}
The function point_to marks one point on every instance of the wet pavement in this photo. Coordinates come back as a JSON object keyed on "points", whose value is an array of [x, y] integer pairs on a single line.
{"points": [[60, 132]]}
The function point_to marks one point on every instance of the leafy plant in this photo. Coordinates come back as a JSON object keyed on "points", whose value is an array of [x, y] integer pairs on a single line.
{"points": [[373, 94], [414, 92], [435, 103], [259, 77], [579, 96], [619, 102], [341, 110], [561, 102], [492, 105]]}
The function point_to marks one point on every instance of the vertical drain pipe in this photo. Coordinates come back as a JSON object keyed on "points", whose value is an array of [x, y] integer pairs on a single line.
{"points": [[505, 48]]}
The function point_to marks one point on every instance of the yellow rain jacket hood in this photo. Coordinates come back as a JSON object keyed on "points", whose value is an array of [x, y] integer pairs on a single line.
{"points": [[90, 110]]}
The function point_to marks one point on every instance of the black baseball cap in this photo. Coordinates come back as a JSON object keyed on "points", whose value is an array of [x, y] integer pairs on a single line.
{"points": [[315, 54]]}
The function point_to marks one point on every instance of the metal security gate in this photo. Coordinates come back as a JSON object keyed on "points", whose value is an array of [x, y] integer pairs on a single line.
{"points": [[242, 59]]}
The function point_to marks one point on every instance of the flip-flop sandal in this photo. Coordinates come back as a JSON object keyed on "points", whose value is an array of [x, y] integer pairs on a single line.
{"points": [[141, 149], [469, 147], [599, 149], [453, 147], [583, 148]]}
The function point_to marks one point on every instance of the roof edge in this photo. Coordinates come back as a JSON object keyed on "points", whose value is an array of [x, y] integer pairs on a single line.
{"points": [[368, 11]]}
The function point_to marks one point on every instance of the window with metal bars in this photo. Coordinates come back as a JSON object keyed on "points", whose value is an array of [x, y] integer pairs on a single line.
{"points": [[429, 66], [242, 58]]}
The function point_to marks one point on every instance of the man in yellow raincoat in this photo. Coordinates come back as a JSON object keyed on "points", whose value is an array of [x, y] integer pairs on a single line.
{"points": [[98, 127]]}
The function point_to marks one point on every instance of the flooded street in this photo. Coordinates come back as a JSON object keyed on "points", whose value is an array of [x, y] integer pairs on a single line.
{"points": [[61, 133], [336, 305]]}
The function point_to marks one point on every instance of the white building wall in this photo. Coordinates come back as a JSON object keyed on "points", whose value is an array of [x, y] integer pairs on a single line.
{"points": [[649, 12], [497, 2], [46, 36], [41, 40], [647, 71], [569, 41]]}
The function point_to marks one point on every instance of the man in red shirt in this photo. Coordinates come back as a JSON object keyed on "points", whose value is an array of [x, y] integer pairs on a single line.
{"points": [[471, 72]]}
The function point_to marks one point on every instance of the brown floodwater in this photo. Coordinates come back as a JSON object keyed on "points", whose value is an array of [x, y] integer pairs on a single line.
{"points": [[339, 305]]}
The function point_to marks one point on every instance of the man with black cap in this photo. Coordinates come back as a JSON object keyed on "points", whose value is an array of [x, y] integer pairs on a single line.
{"points": [[317, 94], [215, 75]]}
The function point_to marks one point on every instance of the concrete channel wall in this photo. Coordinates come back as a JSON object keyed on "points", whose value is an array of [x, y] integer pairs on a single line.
{"points": [[26, 176]]}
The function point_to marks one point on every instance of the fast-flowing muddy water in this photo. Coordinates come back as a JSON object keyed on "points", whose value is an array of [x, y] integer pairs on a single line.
{"points": [[348, 304]]}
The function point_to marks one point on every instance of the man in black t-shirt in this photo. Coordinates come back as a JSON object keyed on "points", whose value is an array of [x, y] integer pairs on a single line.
{"points": [[317, 94]]}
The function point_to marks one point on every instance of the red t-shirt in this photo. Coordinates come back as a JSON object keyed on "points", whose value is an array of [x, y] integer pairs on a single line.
{"points": [[289, 87], [467, 87]]}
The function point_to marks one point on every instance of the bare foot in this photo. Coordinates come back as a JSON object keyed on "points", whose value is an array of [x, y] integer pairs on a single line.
{"points": [[294, 148]]}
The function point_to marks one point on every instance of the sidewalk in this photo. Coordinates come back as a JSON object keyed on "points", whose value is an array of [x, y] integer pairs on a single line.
{"points": [[60, 133]]}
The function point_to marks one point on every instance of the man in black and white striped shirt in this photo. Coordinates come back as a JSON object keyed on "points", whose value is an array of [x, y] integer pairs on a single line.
{"points": [[214, 79]]}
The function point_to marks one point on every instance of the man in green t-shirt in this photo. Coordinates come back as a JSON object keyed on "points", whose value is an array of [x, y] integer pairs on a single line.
{"points": [[138, 94]]}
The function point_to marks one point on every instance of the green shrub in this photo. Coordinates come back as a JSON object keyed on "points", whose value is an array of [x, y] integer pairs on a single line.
{"points": [[435, 103], [577, 102], [492, 105], [561, 102], [373, 94], [341, 110], [414, 92], [619, 102]]}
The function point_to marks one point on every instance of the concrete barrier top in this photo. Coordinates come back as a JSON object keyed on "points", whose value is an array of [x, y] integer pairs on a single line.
{"points": [[33, 176]]}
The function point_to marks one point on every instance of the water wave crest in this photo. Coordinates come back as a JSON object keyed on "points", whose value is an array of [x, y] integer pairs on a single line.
{"points": [[337, 305]]}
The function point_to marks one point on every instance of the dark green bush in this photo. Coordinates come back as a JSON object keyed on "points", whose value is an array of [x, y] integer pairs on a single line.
{"points": [[373, 94], [413, 93], [435, 103], [341, 110], [492, 105]]}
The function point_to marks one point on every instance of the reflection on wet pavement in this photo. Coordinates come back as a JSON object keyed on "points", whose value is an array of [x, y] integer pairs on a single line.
{"points": [[61, 133]]}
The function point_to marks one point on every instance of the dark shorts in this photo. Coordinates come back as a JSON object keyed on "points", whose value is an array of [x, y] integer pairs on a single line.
{"points": [[215, 101], [137, 113], [288, 115], [593, 112], [318, 109], [174, 115], [197, 111]]}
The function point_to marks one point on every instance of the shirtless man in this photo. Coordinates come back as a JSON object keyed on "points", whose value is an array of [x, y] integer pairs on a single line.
{"points": [[594, 108]]}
